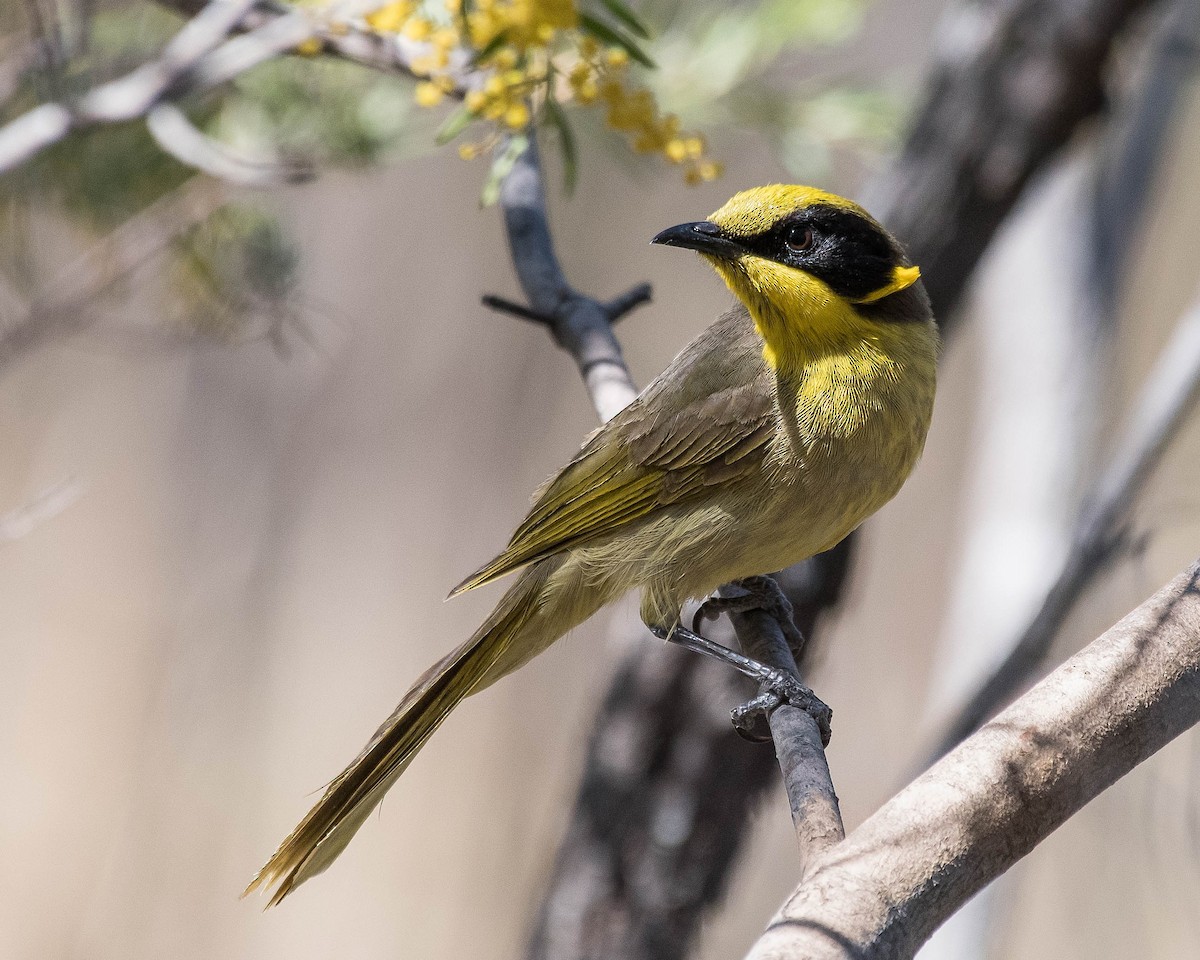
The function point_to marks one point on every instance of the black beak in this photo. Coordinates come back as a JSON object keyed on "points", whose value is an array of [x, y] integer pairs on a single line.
{"points": [[704, 236]]}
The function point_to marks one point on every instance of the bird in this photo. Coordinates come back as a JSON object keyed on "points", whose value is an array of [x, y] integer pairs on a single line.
{"points": [[771, 436]]}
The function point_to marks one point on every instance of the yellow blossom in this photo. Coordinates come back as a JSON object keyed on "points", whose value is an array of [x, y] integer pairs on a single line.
{"points": [[418, 28], [616, 58], [428, 94], [505, 58], [675, 150], [516, 117], [423, 64], [530, 40], [390, 18], [444, 38]]}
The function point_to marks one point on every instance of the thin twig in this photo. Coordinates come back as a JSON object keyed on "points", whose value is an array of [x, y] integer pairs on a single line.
{"points": [[48, 504], [501, 305], [1127, 176], [625, 303], [179, 137], [15, 67], [353, 40], [1170, 392], [883, 890], [580, 324], [197, 59], [133, 95]]}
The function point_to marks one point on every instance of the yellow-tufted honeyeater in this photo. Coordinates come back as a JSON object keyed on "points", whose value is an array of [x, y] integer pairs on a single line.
{"points": [[774, 433]]}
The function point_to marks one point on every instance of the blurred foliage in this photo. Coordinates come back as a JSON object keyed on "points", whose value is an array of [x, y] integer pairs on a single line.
{"points": [[730, 67], [743, 66], [322, 112], [234, 275]]}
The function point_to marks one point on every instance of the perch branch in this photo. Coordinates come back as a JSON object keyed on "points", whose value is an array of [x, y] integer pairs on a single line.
{"points": [[983, 807], [816, 814], [1169, 394]]}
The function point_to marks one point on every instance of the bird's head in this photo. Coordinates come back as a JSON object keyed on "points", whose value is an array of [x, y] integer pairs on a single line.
{"points": [[808, 264]]}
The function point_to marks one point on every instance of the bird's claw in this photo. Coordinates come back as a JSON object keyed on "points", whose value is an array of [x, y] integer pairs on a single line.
{"points": [[752, 719], [759, 593]]}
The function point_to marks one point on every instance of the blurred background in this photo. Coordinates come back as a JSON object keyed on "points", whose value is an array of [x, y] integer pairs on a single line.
{"points": [[241, 469]]}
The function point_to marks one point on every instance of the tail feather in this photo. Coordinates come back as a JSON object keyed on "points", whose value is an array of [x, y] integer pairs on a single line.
{"points": [[357, 790]]}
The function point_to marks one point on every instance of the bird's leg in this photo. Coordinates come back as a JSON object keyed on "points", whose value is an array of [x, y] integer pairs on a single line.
{"points": [[758, 593], [778, 687]]}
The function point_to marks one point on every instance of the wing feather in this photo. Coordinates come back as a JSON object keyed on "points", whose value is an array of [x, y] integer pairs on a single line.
{"points": [[720, 398]]}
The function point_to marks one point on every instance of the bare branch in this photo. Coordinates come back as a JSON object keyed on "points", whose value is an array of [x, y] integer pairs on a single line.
{"points": [[625, 303], [580, 324], [14, 67], [352, 40], [816, 814], [198, 59], [1126, 179], [52, 501], [883, 891], [33, 132], [134, 94], [178, 136], [1168, 395]]}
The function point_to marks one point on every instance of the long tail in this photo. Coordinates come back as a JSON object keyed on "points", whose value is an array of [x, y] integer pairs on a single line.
{"points": [[507, 639]]}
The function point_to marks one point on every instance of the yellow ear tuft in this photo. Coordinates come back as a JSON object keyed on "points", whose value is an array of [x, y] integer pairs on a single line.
{"points": [[902, 279]]}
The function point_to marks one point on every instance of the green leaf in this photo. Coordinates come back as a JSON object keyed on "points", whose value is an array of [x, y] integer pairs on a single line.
{"points": [[490, 47], [627, 17], [556, 116], [501, 168], [614, 38], [455, 124]]}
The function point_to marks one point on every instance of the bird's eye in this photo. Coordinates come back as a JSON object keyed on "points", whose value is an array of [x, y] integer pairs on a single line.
{"points": [[799, 239]]}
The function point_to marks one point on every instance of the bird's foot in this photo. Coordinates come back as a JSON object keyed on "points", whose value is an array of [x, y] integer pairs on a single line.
{"points": [[751, 719], [757, 593]]}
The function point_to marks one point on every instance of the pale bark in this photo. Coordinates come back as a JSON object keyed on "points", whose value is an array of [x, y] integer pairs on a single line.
{"points": [[882, 891]]}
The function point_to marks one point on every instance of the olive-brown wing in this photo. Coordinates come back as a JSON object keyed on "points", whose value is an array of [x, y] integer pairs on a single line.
{"points": [[702, 424]]}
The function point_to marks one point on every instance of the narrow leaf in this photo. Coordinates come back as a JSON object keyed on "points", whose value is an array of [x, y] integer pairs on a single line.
{"points": [[627, 17], [501, 168], [490, 47], [453, 125], [566, 138], [614, 38]]}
